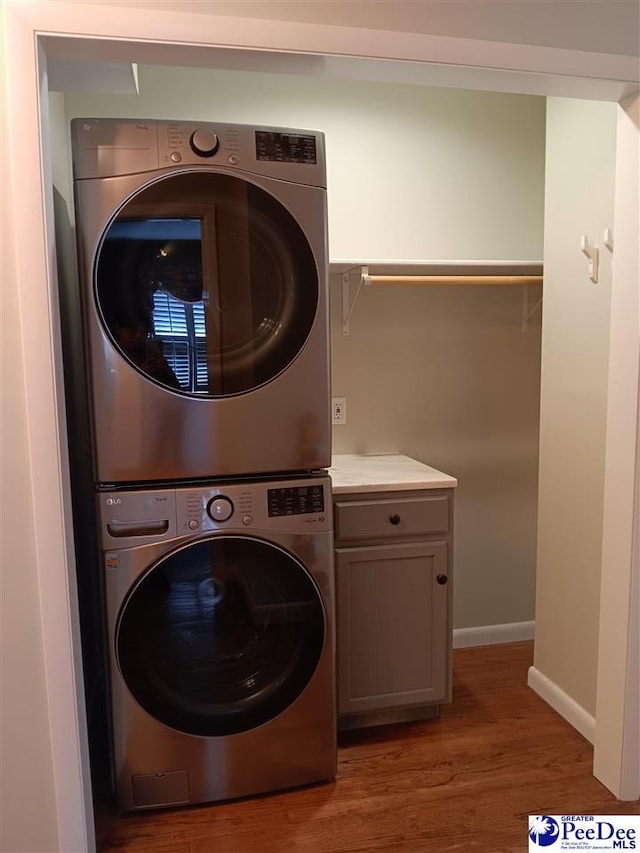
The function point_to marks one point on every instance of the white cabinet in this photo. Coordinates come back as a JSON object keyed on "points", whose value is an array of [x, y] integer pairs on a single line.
{"points": [[394, 595]]}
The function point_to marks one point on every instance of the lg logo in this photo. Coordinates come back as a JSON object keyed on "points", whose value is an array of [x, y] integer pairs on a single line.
{"points": [[113, 501]]}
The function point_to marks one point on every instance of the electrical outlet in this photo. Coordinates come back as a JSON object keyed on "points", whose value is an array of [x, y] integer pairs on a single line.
{"points": [[338, 410]]}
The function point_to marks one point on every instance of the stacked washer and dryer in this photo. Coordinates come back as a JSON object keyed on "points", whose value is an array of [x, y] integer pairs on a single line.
{"points": [[203, 275]]}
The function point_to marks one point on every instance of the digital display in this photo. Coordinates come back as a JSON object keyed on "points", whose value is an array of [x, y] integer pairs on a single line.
{"points": [[285, 147], [298, 500]]}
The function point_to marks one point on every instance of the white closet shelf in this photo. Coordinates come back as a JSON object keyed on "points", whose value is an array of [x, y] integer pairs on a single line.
{"points": [[438, 272], [466, 278], [402, 268]]}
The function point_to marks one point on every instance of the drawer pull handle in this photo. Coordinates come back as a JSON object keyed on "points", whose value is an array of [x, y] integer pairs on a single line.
{"points": [[137, 528], [442, 579], [395, 518]]}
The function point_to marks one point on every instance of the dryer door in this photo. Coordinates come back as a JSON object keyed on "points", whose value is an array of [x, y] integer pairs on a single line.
{"points": [[206, 284], [220, 636]]}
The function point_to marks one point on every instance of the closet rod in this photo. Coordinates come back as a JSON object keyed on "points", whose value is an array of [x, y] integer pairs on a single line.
{"points": [[452, 279]]}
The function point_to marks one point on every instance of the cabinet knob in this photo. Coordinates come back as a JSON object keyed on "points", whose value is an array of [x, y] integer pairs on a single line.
{"points": [[395, 518], [442, 579]]}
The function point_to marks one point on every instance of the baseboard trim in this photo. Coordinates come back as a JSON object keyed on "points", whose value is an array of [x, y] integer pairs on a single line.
{"points": [[491, 635], [561, 702]]}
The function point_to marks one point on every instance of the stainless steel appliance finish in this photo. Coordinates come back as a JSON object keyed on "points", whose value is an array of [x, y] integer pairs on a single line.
{"points": [[203, 271], [221, 632]]}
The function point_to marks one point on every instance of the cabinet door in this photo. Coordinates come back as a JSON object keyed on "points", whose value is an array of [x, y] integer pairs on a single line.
{"points": [[393, 626]]}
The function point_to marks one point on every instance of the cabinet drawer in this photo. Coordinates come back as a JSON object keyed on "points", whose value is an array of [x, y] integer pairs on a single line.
{"points": [[393, 517]]}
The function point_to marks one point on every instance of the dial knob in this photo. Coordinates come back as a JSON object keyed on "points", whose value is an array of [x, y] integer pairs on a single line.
{"points": [[220, 508], [204, 142]]}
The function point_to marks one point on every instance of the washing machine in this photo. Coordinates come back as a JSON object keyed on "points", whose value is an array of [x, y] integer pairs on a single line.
{"points": [[220, 620], [203, 278]]}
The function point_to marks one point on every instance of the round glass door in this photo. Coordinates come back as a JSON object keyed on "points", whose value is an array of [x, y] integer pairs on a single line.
{"points": [[220, 636], [206, 284]]}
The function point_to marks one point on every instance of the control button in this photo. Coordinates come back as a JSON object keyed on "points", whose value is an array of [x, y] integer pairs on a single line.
{"points": [[220, 508], [234, 159], [247, 519], [176, 156], [204, 142], [193, 524]]}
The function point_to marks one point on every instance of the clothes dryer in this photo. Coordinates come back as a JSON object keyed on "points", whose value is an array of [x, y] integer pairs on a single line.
{"points": [[203, 274], [221, 633]]}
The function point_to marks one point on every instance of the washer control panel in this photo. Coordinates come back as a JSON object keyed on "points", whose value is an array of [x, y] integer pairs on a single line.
{"points": [[295, 500], [137, 517], [301, 505]]}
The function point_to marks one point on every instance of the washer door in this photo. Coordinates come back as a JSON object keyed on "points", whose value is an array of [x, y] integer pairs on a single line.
{"points": [[206, 284], [220, 636]]}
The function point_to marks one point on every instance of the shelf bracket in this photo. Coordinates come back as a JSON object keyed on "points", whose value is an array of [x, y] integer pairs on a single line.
{"points": [[348, 304], [593, 254], [527, 312]]}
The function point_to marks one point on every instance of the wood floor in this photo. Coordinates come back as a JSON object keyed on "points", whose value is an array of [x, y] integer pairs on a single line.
{"points": [[464, 782]]}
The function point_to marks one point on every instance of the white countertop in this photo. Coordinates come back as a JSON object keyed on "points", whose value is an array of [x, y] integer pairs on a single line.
{"points": [[384, 472]]}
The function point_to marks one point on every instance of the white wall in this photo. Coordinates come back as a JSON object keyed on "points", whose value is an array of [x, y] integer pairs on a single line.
{"points": [[27, 774], [60, 149], [446, 375], [413, 172], [617, 753], [581, 156], [44, 736], [443, 374], [27, 764]]}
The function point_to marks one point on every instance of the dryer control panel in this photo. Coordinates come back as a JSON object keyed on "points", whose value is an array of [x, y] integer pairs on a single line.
{"points": [[106, 147]]}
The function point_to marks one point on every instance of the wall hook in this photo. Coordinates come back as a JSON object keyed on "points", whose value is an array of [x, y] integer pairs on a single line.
{"points": [[608, 239], [593, 254]]}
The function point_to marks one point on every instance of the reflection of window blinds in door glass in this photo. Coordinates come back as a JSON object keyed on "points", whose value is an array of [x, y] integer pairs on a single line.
{"points": [[198, 319], [177, 354], [169, 316], [181, 328], [202, 374]]}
